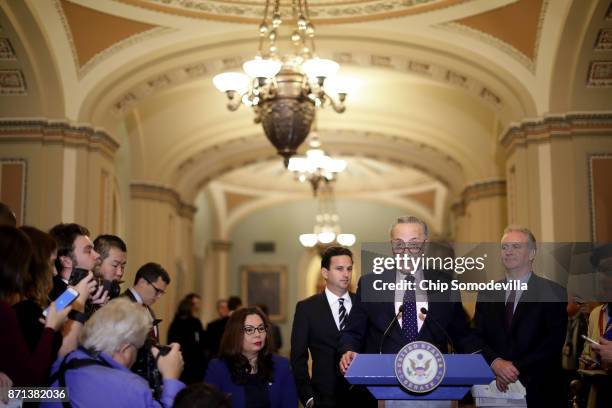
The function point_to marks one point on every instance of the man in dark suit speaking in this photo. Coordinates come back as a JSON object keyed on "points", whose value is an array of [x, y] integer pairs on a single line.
{"points": [[317, 324], [524, 330], [387, 321]]}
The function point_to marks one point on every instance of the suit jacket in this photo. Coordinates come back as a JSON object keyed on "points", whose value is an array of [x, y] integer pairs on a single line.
{"points": [[369, 319], [154, 334], [315, 330], [215, 330], [281, 391], [535, 340]]}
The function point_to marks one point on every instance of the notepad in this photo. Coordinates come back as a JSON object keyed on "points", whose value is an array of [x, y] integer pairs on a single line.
{"points": [[490, 396]]}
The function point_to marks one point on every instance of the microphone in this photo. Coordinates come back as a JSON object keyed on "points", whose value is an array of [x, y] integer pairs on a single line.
{"points": [[384, 336], [431, 318]]}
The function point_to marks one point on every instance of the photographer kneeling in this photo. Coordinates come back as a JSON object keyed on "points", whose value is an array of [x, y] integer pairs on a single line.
{"points": [[98, 372]]}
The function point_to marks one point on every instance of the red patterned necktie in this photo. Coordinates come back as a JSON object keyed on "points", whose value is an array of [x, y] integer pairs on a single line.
{"points": [[510, 309]]}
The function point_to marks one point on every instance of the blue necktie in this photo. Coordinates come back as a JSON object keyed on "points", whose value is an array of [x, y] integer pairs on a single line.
{"points": [[409, 316]]}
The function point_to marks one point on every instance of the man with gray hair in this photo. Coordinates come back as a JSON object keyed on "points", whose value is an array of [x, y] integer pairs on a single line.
{"points": [[523, 330], [385, 322], [98, 372]]}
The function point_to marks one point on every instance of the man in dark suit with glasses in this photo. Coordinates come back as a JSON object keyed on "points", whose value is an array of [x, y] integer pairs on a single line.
{"points": [[385, 321]]}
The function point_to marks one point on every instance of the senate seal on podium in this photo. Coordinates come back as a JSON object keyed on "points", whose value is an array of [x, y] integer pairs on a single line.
{"points": [[419, 367]]}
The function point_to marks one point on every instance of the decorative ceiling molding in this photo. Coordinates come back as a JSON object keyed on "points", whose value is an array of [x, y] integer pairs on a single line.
{"points": [[151, 191], [600, 74], [399, 143], [12, 82], [484, 189], [474, 27], [57, 132], [400, 63], [322, 11], [551, 126], [82, 25], [604, 40], [477, 191], [7, 53], [198, 170]]}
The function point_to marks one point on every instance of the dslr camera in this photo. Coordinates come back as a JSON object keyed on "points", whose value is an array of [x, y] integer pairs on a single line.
{"points": [[146, 365]]}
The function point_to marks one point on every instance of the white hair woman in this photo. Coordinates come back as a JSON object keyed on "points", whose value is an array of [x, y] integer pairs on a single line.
{"points": [[98, 372]]}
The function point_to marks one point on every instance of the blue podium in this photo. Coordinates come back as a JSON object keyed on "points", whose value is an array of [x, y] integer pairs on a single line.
{"points": [[376, 372]]}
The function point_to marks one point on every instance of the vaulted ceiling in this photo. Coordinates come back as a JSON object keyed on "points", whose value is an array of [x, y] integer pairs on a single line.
{"points": [[439, 82]]}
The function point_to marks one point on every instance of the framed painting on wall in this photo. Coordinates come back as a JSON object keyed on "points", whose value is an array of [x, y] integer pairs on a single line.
{"points": [[600, 173], [265, 284]]}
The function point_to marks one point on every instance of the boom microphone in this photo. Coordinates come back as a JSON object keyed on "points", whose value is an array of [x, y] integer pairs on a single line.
{"points": [[384, 336], [450, 342]]}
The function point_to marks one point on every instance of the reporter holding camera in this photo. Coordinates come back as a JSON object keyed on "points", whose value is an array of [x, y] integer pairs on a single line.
{"points": [[98, 372], [110, 266]]}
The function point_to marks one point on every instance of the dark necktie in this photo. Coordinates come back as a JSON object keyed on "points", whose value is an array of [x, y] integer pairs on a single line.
{"points": [[341, 314], [153, 331], [409, 316], [510, 309]]}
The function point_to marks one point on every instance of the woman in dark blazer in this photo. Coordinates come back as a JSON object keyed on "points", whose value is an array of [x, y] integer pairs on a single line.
{"points": [[247, 369]]}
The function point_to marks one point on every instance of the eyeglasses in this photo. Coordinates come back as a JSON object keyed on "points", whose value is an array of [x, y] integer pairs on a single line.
{"points": [[514, 245], [399, 245], [250, 330], [158, 291]]}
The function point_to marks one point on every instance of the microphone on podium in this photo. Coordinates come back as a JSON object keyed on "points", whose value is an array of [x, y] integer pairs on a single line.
{"points": [[431, 318], [384, 336]]}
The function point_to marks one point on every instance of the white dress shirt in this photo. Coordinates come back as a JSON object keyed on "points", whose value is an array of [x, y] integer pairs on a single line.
{"points": [[334, 304]]}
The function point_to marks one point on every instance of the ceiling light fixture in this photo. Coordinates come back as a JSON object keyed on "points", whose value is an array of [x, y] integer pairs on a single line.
{"points": [[284, 91], [327, 230], [316, 167]]}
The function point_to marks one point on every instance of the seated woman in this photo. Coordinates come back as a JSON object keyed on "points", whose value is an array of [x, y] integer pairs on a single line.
{"points": [[98, 374], [247, 369]]}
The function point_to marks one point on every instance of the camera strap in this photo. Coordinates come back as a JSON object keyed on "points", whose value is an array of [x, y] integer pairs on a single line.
{"points": [[73, 364]]}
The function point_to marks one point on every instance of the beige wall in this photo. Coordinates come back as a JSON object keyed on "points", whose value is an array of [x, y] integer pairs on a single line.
{"points": [[64, 168], [481, 215], [548, 171], [161, 231]]}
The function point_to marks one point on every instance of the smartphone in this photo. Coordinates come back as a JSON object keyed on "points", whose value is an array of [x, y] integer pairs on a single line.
{"points": [[64, 300], [590, 340]]}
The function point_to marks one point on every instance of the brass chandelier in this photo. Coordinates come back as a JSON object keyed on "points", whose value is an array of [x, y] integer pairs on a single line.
{"points": [[284, 91], [326, 231]]}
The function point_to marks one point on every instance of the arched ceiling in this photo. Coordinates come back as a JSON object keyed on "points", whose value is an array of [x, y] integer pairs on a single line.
{"points": [[440, 80]]}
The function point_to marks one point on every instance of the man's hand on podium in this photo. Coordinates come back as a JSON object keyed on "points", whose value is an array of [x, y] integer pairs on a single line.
{"points": [[346, 360], [505, 373]]}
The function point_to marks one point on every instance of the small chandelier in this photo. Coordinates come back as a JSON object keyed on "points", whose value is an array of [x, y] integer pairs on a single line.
{"points": [[316, 167], [284, 91], [327, 230]]}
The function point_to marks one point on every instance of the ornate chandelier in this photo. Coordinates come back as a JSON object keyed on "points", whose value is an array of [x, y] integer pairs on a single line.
{"points": [[284, 91], [327, 230], [316, 167]]}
